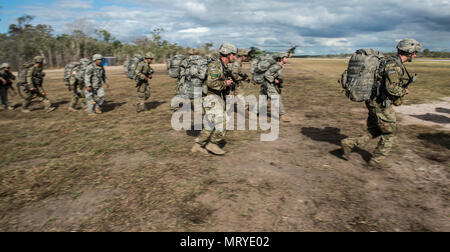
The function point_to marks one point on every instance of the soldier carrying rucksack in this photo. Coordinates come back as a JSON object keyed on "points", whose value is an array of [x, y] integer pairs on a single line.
{"points": [[176, 70], [143, 73], [74, 78], [380, 82], [31, 78], [267, 72]]}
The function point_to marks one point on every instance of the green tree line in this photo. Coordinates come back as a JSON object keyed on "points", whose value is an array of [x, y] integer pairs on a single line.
{"points": [[23, 41]]}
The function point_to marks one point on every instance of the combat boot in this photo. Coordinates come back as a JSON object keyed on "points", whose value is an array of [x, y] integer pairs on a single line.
{"points": [[98, 110], [346, 149], [10, 108], [92, 114], [51, 109], [198, 148], [26, 111], [215, 149], [72, 109]]}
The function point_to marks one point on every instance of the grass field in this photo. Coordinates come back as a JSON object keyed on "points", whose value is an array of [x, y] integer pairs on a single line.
{"points": [[122, 171]]}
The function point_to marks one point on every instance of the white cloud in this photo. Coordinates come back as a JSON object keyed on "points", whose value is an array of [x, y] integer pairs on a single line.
{"points": [[195, 30], [318, 26]]}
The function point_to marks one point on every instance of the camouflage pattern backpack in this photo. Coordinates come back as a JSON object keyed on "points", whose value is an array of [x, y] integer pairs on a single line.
{"points": [[69, 70], [22, 79], [195, 74], [131, 65], [196, 67], [174, 64], [259, 67], [84, 63], [360, 79]]}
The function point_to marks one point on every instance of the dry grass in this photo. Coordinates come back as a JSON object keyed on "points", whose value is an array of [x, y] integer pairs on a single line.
{"points": [[123, 171]]}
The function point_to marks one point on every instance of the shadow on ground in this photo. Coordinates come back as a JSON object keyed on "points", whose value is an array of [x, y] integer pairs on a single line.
{"points": [[153, 105], [433, 118], [443, 110], [442, 139], [110, 106], [333, 136]]}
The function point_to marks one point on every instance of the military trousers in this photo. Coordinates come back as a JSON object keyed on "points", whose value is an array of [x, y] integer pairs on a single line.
{"points": [[269, 89], [30, 95], [4, 95], [77, 93], [95, 97], [214, 130], [143, 92], [381, 122]]}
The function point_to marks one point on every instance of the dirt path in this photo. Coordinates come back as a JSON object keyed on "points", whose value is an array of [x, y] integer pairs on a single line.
{"points": [[432, 114]]}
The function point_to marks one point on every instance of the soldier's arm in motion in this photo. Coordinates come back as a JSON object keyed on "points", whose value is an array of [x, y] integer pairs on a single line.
{"points": [[394, 83], [88, 77], [139, 72]]}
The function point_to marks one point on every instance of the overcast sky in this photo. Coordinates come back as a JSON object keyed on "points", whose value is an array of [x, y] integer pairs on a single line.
{"points": [[319, 27]]}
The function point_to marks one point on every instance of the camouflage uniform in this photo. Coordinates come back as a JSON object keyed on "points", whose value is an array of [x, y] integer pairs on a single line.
{"points": [[382, 120], [8, 77], [94, 78], [269, 87], [34, 79], [76, 85], [216, 82], [143, 72]]}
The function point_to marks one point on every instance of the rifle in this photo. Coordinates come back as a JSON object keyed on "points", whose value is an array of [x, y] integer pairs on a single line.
{"points": [[411, 79]]}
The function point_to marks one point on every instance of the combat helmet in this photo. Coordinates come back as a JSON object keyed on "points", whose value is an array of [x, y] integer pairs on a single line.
{"points": [[97, 57], [4, 65], [227, 48], [409, 45], [242, 52], [38, 59], [149, 55]]}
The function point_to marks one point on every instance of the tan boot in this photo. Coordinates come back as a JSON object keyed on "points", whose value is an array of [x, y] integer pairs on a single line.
{"points": [[51, 109], [346, 149], [215, 149], [72, 109], [11, 108], [26, 111], [98, 110], [92, 114], [198, 148]]}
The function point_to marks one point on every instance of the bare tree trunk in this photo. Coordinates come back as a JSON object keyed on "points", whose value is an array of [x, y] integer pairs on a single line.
{"points": [[50, 57]]}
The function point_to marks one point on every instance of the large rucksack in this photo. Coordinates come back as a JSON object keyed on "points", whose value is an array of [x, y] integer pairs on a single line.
{"points": [[131, 65], [259, 67], [195, 75], [84, 63], [174, 64], [23, 70], [360, 78], [69, 70]]}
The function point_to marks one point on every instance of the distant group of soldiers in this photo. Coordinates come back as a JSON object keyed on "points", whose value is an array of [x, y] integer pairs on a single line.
{"points": [[224, 76]]}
